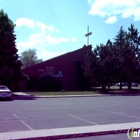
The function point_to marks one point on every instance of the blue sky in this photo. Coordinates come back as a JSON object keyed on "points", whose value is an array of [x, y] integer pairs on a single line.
{"points": [[54, 27]]}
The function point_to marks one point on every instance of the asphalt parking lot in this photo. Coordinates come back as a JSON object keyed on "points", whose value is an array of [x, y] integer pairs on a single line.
{"points": [[47, 113]]}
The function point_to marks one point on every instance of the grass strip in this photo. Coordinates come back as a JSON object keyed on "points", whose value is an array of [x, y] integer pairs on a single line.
{"points": [[61, 93]]}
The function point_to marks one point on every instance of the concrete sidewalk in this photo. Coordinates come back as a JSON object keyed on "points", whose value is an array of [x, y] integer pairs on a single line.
{"points": [[22, 94], [71, 132]]}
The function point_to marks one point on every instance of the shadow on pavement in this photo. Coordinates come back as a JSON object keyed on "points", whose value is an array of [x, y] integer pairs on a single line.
{"points": [[23, 97], [4, 100]]}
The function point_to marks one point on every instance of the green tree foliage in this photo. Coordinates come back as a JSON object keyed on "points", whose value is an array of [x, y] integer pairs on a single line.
{"points": [[100, 65], [127, 45], [120, 48], [117, 61], [10, 65], [92, 67], [133, 56], [81, 81], [29, 58]]}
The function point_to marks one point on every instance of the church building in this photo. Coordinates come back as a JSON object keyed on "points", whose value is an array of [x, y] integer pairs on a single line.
{"points": [[65, 68]]}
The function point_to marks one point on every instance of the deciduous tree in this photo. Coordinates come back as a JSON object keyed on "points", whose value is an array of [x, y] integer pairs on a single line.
{"points": [[29, 58], [117, 61]]}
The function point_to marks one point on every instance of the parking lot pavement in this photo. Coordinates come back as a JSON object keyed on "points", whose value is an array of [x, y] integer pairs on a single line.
{"points": [[49, 113], [71, 132]]}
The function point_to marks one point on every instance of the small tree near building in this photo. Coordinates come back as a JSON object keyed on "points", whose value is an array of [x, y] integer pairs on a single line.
{"points": [[29, 58]]}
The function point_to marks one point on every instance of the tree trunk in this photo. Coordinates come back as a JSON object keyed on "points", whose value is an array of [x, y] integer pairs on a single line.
{"points": [[120, 86], [108, 86], [129, 85], [103, 87]]}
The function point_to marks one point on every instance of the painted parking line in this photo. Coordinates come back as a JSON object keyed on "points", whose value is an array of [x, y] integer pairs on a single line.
{"points": [[30, 128], [79, 118], [123, 114]]}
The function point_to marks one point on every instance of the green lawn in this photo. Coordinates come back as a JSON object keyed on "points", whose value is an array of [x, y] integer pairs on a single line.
{"points": [[61, 93], [113, 90]]}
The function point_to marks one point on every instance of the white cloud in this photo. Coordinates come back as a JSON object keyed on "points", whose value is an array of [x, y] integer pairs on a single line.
{"points": [[73, 39], [45, 55], [25, 22], [137, 14], [45, 27], [40, 47], [53, 40], [127, 13], [109, 8], [42, 53], [57, 30], [40, 40], [45, 37], [111, 20]]}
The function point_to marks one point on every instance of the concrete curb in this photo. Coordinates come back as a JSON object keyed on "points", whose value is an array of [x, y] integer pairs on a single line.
{"points": [[24, 96], [65, 96], [71, 132]]}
